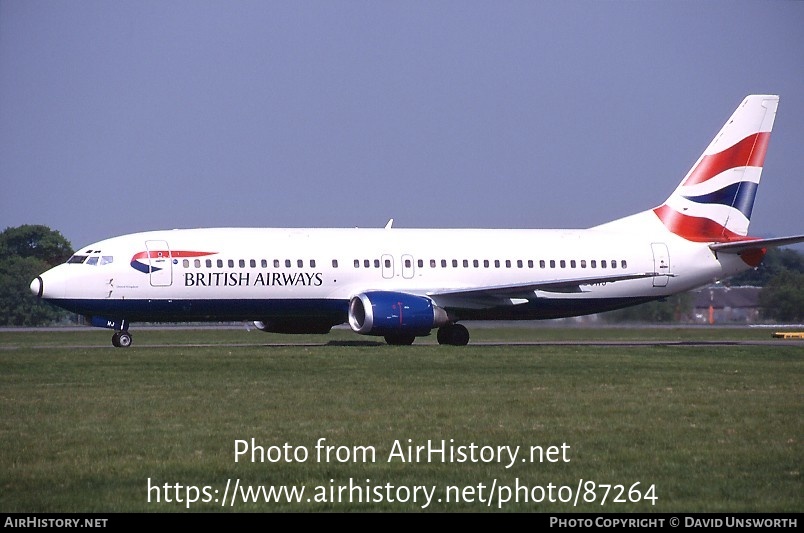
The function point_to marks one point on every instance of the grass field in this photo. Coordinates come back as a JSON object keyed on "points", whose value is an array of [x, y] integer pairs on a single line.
{"points": [[649, 427]]}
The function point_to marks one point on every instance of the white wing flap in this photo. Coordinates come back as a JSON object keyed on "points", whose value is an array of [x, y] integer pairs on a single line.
{"points": [[502, 294]]}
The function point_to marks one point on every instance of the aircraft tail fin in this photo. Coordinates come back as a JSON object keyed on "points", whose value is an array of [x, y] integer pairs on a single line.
{"points": [[715, 198]]}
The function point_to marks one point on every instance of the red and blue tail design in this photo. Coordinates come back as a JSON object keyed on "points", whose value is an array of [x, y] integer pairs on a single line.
{"points": [[714, 201]]}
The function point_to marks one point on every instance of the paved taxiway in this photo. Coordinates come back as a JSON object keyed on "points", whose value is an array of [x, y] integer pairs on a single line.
{"points": [[427, 341]]}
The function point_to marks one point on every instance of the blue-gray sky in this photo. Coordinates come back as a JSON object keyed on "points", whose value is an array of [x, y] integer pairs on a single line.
{"points": [[120, 116]]}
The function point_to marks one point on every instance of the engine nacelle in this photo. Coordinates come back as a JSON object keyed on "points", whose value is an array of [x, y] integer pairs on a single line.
{"points": [[293, 326], [389, 313]]}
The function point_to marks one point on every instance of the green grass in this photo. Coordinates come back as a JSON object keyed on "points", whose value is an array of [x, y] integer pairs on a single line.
{"points": [[714, 428]]}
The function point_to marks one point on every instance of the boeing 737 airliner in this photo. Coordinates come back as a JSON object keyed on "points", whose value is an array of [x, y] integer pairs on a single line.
{"points": [[403, 283]]}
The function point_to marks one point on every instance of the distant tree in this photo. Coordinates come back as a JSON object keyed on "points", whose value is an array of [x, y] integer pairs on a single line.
{"points": [[783, 297], [776, 261], [18, 307], [673, 309], [781, 275], [25, 252], [35, 241]]}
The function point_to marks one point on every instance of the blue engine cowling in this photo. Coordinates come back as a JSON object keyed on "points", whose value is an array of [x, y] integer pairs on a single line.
{"points": [[388, 313]]}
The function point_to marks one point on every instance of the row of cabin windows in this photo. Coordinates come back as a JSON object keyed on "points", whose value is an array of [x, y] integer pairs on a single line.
{"points": [[475, 263], [444, 263], [252, 263]]}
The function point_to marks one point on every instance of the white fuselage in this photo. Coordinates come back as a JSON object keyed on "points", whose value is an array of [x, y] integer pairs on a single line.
{"points": [[402, 283], [252, 274]]}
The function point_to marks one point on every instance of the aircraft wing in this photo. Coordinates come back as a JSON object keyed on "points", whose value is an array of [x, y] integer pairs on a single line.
{"points": [[494, 295], [754, 244]]}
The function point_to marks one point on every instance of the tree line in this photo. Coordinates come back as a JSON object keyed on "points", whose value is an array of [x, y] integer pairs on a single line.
{"points": [[781, 276], [27, 251]]}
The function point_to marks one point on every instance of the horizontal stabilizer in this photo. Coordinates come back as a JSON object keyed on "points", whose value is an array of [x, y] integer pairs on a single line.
{"points": [[754, 244]]}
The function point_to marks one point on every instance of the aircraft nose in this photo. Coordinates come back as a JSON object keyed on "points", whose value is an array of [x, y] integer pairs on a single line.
{"points": [[37, 286]]}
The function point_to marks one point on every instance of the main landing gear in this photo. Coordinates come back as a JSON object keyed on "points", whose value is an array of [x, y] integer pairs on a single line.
{"points": [[453, 334], [121, 339], [400, 339]]}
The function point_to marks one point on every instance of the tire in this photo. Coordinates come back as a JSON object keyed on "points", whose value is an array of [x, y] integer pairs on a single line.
{"points": [[400, 339], [453, 335], [460, 335], [123, 339]]}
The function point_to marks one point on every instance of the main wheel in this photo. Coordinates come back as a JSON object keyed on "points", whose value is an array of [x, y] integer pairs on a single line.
{"points": [[460, 335], [453, 335], [400, 339], [442, 336]]}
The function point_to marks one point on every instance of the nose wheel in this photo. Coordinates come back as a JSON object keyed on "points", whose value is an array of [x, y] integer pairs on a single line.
{"points": [[121, 339]]}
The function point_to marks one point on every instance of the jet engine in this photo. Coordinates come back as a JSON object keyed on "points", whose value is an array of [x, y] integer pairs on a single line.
{"points": [[395, 315]]}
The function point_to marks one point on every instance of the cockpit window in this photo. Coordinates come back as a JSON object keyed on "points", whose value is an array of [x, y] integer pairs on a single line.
{"points": [[91, 259]]}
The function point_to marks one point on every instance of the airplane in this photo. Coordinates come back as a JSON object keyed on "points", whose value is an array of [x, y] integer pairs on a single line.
{"points": [[401, 284]]}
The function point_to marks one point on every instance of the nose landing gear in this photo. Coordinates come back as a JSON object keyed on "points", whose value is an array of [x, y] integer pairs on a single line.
{"points": [[121, 339]]}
